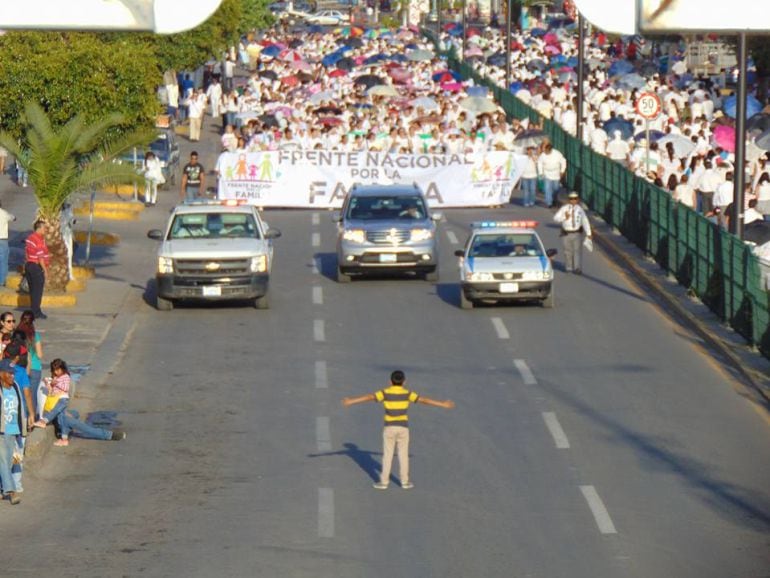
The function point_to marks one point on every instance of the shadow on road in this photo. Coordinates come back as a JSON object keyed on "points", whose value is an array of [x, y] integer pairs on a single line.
{"points": [[735, 503], [362, 458]]}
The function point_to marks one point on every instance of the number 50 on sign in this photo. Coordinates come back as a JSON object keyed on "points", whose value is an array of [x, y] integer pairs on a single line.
{"points": [[648, 105]]}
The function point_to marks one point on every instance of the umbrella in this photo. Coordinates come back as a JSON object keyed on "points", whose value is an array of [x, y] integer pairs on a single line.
{"points": [[551, 38], [315, 29], [552, 49], [451, 86], [374, 59], [730, 104], [568, 76], [724, 136], [757, 232], [419, 55], [497, 59], [473, 32], [290, 80], [368, 80], [290, 55], [400, 75], [326, 95], [625, 127], [330, 121], [655, 136], [398, 58], [477, 91], [328, 110], [530, 138], [536, 64], [345, 63], [758, 123], [478, 104], [300, 65], [337, 72], [631, 81], [246, 115], [304, 77], [762, 141], [382, 90], [271, 74], [271, 51], [296, 43], [620, 67], [445, 76], [536, 32], [424, 102], [269, 120], [537, 86]]}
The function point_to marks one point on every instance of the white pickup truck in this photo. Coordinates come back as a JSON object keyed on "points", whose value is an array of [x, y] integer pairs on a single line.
{"points": [[214, 251]]}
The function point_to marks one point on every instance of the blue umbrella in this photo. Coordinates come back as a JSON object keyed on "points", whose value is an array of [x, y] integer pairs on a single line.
{"points": [[572, 61], [477, 91], [516, 87], [559, 23], [620, 67], [559, 59], [272, 51], [375, 58], [655, 135], [398, 57], [753, 106], [625, 127], [497, 59], [537, 32], [331, 59], [315, 28], [456, 31]]}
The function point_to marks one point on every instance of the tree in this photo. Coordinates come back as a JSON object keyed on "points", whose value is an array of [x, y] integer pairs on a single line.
{"points": [[77, 73], [62, 160], [255, 15]]}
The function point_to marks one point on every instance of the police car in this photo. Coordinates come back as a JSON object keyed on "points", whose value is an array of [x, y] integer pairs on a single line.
{"points": [[503, 262]]}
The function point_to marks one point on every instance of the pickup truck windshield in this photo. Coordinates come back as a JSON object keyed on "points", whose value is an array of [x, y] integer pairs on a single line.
{"points": [[387, 208], [505, 245], [214, 226]]}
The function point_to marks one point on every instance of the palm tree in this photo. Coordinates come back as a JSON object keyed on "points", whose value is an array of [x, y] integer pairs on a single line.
{"points": [[63, 160]]}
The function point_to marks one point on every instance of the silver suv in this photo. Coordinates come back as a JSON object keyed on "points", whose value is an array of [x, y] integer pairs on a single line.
{"points": [[386, 228]]}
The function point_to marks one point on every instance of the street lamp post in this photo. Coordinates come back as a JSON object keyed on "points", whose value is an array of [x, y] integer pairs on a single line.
{"points": [[739, 172], [508, 24], [580, 75], [464, 29]]}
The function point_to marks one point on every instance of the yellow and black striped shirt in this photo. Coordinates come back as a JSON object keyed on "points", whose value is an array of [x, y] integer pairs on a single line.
{"points": [[396, 400]]}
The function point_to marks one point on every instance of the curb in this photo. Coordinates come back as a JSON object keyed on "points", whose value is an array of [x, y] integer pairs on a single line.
{"points": [[9, 298], [74, 286]]}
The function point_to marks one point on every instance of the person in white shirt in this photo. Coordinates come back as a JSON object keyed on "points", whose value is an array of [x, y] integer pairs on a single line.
{"points": [[684, 193], [599, 140], [762, 190], [214, 96], [551, 165], [723, 196], [707, 186], [153, 177], [529, 178], [618, 149], [196, 104], [751, 214], [5, 218], [574, 225]]}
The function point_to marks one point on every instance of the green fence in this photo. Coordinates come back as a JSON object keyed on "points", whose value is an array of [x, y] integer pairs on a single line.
{"points": [[719, 268]]}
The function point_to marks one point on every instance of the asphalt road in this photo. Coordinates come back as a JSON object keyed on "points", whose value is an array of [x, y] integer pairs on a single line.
{"points": [[593, 440]]}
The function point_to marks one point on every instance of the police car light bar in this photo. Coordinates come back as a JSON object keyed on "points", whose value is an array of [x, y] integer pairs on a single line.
{"points": [[224, 203], [508, 224]]}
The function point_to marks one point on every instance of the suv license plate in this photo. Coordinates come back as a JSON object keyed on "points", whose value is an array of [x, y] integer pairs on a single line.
{"points": [[509, 287], [213, 291], [388, 258]]}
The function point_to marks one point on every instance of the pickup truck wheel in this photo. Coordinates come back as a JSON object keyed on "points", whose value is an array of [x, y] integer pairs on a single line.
{"points": [[432, 276], [342, 277], [465, 303], [549, 301], [163, 304], [262, 302]]}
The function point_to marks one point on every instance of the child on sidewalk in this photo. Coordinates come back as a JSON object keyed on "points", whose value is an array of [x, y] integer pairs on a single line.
{"points": [[57, 397]]}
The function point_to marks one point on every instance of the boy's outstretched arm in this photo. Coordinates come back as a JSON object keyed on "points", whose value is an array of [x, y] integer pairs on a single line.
{"points": [[348, 401]]}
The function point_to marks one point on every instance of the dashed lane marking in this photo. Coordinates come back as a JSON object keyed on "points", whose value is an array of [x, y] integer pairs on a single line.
{"points": [[526, 373], [316, 219], [318, 295], [316, 240], [599, 510], [452, 237], [323, 435], [325, 513], [321, 375], [553, 425], [319, 331], [500, 328]]}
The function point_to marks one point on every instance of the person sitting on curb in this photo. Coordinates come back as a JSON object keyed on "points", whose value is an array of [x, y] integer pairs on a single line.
{"points": [[57, 397], [70, 422], [13, 424]]}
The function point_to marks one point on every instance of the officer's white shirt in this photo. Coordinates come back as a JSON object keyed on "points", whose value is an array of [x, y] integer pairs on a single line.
{"points": [[572, 218]]}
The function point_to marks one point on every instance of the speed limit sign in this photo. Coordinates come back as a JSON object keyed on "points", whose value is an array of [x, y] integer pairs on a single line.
{"points": [[648, 105]]}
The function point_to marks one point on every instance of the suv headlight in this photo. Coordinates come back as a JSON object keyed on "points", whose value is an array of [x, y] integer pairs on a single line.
{"points": [[258, 264], [421, 235], [165, 265], [354, 235], [536, 275], [480, 277]]}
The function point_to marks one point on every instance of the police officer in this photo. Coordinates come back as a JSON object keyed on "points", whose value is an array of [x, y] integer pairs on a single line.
{"points": [[574, 226]]}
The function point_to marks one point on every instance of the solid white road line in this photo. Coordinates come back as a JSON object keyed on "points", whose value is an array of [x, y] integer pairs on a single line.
{"points": [[321, 375], [323, 434], [601, 515], [502, 332], [525, 371], [316, 219], [316, 240], [319, 331], [452, 237], [318, 296], [325, 513], [553, 425]]}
